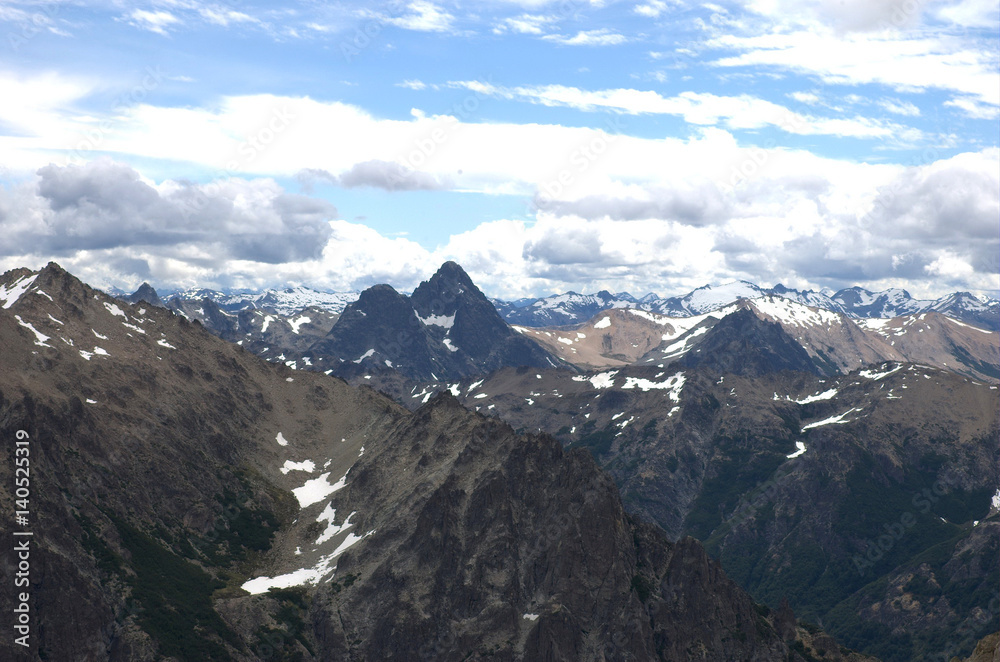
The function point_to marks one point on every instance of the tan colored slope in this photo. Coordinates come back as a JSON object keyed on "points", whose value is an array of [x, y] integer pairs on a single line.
{"points": [[833, 340], [937, 340], [615, 337]]}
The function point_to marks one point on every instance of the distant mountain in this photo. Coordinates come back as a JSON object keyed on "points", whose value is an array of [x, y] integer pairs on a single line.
{"points": [[834, 342], [855, 302], [145, 293], [562, 309], [446, 330], [287, 301], [193, 502]]}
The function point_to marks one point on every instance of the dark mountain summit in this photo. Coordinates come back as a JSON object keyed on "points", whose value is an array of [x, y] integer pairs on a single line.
{"points": [[447, 330], [145, 293], [743, 344]]}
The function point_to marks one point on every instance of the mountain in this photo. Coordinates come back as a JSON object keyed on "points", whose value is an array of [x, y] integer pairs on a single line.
{"points": [[286, 302], [263, 332], [191, 501], [145, 293], [864, 498], [741, 343], [962, 306], [446, 330], [561, 309], [834, 342], [569, 309]]}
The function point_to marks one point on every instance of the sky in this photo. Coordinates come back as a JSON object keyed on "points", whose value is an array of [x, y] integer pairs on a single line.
{"points": [[546, 146]]}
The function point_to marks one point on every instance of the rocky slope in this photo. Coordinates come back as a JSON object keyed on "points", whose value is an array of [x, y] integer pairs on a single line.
{"points": [[192, 502], [794, 480]]}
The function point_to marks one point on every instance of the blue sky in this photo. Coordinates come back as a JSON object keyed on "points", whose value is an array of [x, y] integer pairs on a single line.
{"points": [[547, 146]]}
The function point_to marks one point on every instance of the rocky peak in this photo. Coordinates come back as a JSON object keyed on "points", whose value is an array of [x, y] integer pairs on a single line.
{"points": [[145, 293], [743, 344]]}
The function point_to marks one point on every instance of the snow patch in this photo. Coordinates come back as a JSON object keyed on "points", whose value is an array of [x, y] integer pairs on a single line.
{"points": [[674, 384], [825, 395], [328, 515], [163, 343], [365, 356], [445, 321], [10, 295], [871, 374], [115, 310], [603, 323], [801, 449], [281, 440], [303, 576], [298, 322], [317, 489], [603, 379], [838, 420], [306, 465], [40, 337]]}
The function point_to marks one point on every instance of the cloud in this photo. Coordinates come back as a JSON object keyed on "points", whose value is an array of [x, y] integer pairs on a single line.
{"points": [[390, 177], [533, 24], [599, 37], [734, 112], [423, 16], [842, 15], [105, 205], [154, 21], [412, 84], [808, 98], [224, 17], [900, 61], [972, 108], [900, 107], [686, 204], [651, 9], [970, 13]]}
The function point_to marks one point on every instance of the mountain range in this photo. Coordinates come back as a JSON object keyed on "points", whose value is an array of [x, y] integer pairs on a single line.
{"points": [[833, 342], [838, 468], [855, 302], [191, 501], [571, 308]]}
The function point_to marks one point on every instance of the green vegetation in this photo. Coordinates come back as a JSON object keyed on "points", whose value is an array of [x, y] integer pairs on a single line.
{"points": [[741, 469], [277, 643], [106, 559], [598, 443], [175, 598]]}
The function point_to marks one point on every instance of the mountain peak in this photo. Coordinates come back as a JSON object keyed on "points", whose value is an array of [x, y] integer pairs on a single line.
{"points": [[741, 343], [440, 294], [453, 272], [145, 293]]}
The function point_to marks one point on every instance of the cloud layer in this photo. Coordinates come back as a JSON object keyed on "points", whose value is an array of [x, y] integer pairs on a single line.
{"points": [[931, 228]]}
